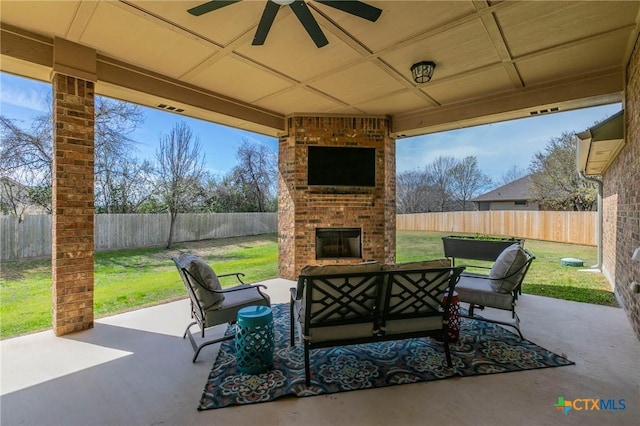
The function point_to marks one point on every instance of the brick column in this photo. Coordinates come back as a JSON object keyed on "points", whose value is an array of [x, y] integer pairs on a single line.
{"points": [[72, 191]]}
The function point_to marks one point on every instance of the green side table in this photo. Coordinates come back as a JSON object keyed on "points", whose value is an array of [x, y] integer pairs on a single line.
{"points": [[254, 339]]}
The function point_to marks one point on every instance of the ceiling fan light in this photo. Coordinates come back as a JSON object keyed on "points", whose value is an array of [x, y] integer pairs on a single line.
{"points": [[423, 71], [282, 2]]}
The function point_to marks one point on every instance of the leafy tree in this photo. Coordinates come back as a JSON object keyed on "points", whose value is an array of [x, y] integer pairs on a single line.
{"points": [[251, 186], [555, 180], [468, 180], [179, 172]]}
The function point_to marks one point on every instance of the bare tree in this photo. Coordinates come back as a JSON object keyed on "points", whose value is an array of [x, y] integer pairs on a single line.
{"points": [[412, 192], [179, 171], [555, 180], [514, 173], [468, 180], [441, 180], [124, 186], [117, 173], [14, 197], [26, 153]]}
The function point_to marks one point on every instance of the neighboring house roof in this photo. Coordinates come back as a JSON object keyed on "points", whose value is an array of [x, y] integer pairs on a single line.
{"points": [[519, 189], [12, 182]]}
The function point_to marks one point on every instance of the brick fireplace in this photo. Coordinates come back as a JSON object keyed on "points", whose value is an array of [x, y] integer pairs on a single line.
{"points": [[354, 222]]}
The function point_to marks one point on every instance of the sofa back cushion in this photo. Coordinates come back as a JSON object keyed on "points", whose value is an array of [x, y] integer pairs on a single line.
{"points": [[205, 277], [508, 269], [341, 269], [423, 264]]}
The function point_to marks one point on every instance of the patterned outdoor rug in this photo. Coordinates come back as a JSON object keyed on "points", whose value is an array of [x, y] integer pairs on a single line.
{"points": [[483, 348]]}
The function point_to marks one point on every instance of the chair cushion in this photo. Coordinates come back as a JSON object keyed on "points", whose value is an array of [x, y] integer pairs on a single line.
{"points": [[205, 277], [478, 290], [227, 309], [510, 263]]}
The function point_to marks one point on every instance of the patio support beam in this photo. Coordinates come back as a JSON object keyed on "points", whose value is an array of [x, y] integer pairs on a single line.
{"points": [[576, 92], [73, 79]]}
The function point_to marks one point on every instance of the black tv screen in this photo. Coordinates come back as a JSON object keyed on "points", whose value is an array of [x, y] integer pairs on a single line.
{"points": [[341, 166]]}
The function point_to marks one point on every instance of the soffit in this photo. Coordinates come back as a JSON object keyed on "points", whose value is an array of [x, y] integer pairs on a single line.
{"points": [[530, 55], [599, 145]]}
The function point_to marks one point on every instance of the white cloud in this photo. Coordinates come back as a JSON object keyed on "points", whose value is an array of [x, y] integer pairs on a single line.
{"points": [[24, 95]]}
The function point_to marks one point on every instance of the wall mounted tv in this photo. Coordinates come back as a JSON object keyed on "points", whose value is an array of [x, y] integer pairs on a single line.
{"points": [[341, 166]]}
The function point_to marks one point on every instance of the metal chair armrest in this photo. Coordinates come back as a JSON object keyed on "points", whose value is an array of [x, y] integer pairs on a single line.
{"points": [[236, 274], [236, 288]]}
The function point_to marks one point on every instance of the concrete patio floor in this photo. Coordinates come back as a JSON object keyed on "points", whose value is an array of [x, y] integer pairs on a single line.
{"points": [[135, 369]]}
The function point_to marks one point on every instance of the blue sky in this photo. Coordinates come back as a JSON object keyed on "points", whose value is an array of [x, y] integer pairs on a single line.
{"points": [[498, 147]]}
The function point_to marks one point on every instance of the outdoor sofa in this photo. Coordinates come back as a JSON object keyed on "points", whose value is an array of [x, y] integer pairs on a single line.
{"points": [[336, 305]]}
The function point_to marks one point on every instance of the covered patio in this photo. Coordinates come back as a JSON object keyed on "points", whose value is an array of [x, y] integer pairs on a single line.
{"points": [[493, 61], [134, 368]]}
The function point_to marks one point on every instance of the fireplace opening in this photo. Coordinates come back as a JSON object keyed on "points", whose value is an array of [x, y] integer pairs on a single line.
{"points": [[334, 243]]}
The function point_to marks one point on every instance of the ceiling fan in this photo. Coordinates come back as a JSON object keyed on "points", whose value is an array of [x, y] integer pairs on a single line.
{"points": [[301, 10]]}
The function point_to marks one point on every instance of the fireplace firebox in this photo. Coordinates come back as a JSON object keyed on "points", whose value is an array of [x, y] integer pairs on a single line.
{"points": [[332, 243]]}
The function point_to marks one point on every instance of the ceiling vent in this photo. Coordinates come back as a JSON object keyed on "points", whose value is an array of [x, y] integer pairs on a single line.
{"points": [[170, 108], [544, 111]]}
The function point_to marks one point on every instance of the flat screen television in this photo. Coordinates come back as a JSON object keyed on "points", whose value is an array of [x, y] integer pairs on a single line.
{"points": [[341, 166]]}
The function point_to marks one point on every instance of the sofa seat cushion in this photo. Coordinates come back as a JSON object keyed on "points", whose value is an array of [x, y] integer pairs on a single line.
{"points": [[336, 332], [479, 291], [413, 325], [205, 277], [510, 264]]}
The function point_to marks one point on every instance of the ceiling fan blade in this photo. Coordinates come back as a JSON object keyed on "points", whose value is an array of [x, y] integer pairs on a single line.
{"points": [[268, 15], [356, 8], [209, 6], [309, 22]]}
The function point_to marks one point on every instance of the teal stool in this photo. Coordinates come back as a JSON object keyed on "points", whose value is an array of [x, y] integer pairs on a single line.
{"points": [[254, 339]]}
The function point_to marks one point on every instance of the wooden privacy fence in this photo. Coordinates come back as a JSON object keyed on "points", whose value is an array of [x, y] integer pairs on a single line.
{"points": [[32, 237], [563, 227]]}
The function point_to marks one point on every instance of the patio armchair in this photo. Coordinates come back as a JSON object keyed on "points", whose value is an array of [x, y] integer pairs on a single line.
{"points": [[499, 289], [210, 304]]}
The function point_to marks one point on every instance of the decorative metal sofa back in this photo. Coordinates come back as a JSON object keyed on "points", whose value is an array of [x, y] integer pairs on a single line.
{"points": [[349, 304]]}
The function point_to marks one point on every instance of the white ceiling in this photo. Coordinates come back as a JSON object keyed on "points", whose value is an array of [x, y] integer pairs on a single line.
{"points": [[495, 60]]}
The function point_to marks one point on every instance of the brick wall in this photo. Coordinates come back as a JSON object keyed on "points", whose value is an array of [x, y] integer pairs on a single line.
{"points": [[302, 209], [621, 225], [72, 218]]}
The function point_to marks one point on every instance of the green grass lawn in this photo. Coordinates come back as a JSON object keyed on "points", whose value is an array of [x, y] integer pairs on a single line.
{"points": [[546, 277], [129, 279]]}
